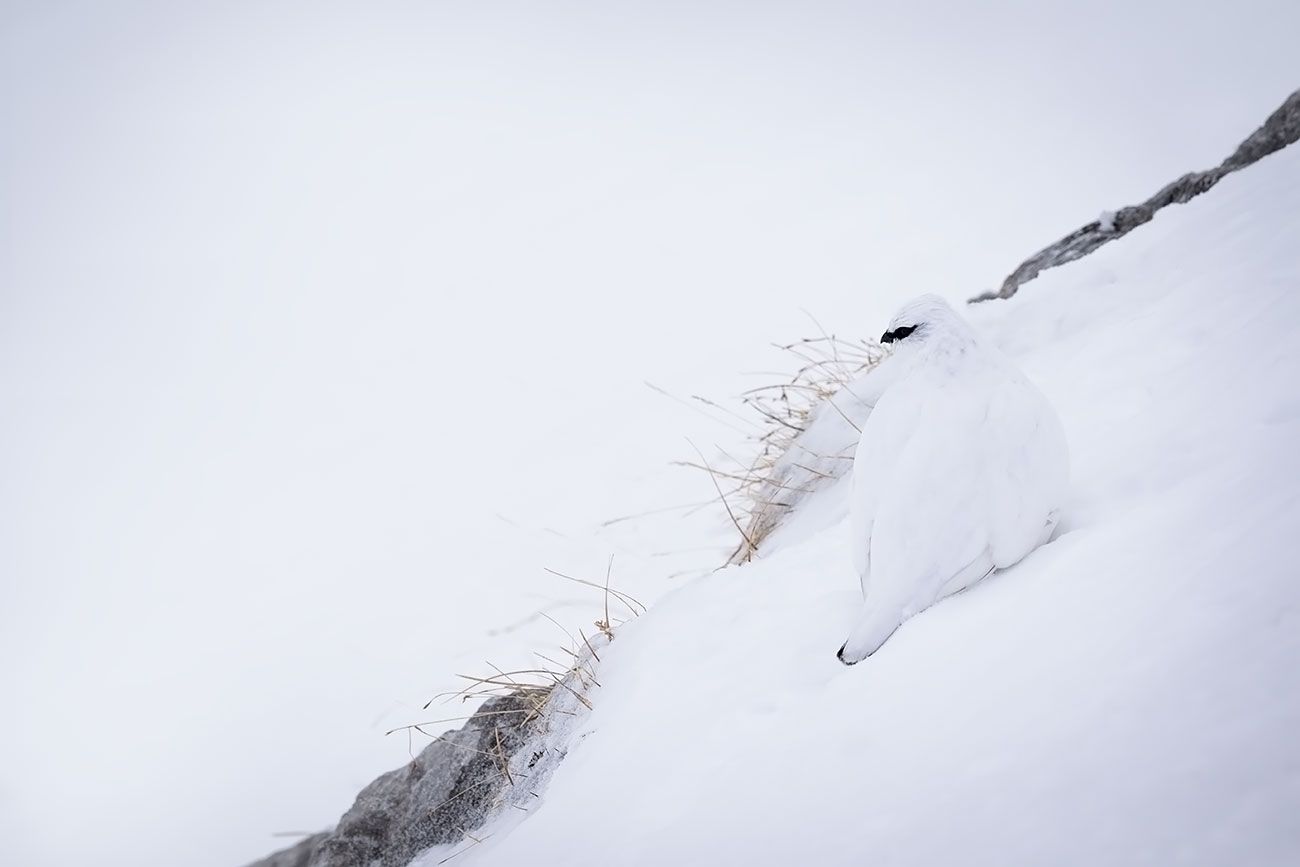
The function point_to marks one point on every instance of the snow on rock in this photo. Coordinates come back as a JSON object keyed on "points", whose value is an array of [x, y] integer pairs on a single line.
{"points": [[1125, 695]]}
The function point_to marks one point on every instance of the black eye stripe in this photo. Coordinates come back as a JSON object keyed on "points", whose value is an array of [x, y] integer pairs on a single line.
{"points": [[897, 334]]}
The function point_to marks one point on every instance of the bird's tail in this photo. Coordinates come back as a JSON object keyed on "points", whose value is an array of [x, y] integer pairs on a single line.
{"points": [[877, 624]]}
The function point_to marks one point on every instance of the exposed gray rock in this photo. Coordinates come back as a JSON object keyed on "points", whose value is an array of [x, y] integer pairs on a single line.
{"points": [[297, 855], [1281, 129], [450, 788], [445, 792], [498, 762]]}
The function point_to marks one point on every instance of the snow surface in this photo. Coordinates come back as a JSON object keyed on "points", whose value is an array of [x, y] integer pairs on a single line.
{"points": [[1126, 695]]}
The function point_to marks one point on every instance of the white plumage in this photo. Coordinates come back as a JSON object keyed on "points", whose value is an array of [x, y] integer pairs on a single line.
{"points": [[961, 470]]}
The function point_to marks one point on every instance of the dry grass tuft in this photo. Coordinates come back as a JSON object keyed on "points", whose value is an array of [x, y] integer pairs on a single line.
{"points": [[755, 496], [542, 699], [574, 674]]}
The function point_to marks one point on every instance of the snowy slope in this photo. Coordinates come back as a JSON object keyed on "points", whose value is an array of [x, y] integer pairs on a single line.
{"points": [[324, 327], [1127, 695]]}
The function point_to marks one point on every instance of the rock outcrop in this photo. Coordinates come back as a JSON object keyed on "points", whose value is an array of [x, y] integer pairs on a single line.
{"points": [[501, 758], [1281, 129], [297, 855], [448, 789]]}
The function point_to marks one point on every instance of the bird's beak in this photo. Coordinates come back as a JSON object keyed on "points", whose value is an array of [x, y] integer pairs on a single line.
{"points": [[887, 337]]}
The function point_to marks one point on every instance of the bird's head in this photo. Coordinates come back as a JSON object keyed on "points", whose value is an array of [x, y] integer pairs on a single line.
{"points": [[927, 321]]}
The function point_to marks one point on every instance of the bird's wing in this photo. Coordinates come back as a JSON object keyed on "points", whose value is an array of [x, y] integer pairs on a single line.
{"points": [[929, 521], [1025, 460], [876, 464]]}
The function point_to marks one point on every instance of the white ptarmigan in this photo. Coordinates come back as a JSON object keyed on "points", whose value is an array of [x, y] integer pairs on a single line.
{"points": [[961, 470]]}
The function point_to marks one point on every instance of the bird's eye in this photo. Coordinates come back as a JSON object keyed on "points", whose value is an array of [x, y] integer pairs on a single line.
{"points": [[897, 334]]}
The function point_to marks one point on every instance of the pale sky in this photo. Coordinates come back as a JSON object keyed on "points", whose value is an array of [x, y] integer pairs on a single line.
{"points": [[324, 328]]}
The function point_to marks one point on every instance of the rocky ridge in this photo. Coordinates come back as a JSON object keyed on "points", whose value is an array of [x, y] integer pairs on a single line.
{"points": [[1281, 129]]}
